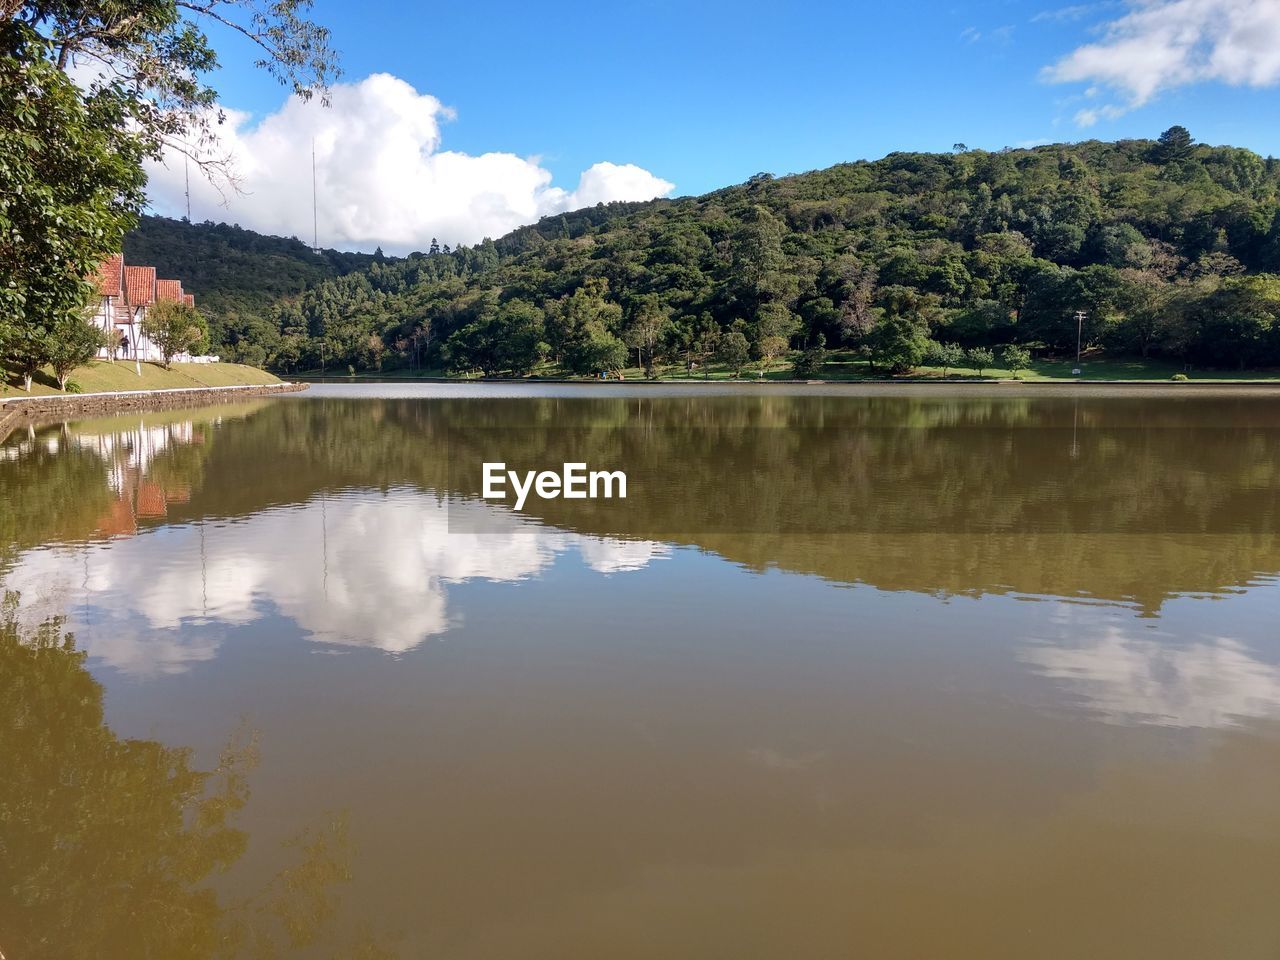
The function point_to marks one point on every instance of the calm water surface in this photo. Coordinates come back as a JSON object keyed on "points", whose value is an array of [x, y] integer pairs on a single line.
{"points": [[848, 674]]}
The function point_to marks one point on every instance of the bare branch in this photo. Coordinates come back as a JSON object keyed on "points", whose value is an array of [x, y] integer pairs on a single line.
{"points": [[219, 171]]}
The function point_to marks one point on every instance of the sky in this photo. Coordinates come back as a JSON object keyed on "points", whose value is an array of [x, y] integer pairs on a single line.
{"points": [[461, 120]]}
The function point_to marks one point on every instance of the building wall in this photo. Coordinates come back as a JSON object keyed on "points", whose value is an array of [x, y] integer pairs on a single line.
{"points": [[126, 322]]}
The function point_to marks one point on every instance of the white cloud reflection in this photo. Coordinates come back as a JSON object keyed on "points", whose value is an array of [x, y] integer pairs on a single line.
{"points": [[364, 569], [1212, 683]]}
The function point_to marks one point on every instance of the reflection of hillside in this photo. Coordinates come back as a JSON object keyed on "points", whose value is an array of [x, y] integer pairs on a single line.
{"points": [[1141, 569], [110, 844], [1131, 499]]}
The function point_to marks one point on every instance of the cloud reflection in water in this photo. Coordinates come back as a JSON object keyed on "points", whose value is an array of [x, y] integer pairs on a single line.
{"points": [[1215, 682], [364, 569]]}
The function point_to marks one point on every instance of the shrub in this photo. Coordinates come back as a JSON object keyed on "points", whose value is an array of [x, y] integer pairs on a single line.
{"points": [[73, 386], [809, 363], [1179, 378]]}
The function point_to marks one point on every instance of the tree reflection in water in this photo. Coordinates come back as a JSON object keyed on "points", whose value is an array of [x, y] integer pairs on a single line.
{"points": [[109, 844]]}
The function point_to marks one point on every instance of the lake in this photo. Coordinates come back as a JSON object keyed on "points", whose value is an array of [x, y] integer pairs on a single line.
{"points": [[902, 673]]}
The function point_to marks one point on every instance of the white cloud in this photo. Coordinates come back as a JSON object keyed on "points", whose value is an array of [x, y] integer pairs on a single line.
{"points": [[1069, 14], [1159, 45], [383, 177]]}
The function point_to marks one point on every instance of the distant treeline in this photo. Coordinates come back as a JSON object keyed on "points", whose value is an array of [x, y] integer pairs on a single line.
{"points": [[1170, 248]]}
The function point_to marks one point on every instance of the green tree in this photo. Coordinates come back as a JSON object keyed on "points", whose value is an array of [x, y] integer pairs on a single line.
{"points": [[73, 343], [979, 359], [944, 355], [523, 345], [174, 328], [582, 325], [67, 193], [897, 344], [734, 351], [758, 273], [595, 349], [1174, 144], [649, 322], [1238, 323], [774, 320], [811, 360], [701, 343], [27, 349], [71, 154], [1015, 357], [158, 56]]}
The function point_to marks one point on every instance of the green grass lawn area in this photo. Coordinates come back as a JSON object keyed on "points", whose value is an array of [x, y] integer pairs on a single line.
{"points": [[849, 367], [101, 376], [846, 366]]}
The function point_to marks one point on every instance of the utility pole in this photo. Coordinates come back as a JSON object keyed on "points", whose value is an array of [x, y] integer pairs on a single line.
{"points": [[1080, 317], [186, 169]]}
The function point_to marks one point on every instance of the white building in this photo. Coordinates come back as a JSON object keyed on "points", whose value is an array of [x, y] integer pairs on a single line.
{"points": [[125, 295]]}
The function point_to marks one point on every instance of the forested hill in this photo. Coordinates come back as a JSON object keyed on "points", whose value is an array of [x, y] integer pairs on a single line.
{"points": [[1169, 246], [233, 271]]}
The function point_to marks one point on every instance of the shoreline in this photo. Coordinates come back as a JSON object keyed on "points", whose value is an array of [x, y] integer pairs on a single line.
{"points": [[18, 412], [369, 388], [1271, 385]]}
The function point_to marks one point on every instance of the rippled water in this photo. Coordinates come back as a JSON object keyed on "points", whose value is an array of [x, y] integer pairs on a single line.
{"points": [[848, 673]]}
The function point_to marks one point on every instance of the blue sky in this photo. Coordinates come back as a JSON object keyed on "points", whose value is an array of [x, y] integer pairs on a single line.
{"points": [[704, 94]]}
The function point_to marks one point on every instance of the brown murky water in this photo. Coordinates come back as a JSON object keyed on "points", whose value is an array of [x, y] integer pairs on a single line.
{"points": [[893, 675]]}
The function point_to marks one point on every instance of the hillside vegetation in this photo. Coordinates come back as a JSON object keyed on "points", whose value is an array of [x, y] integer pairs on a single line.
{"points": [[1170, 248], [238, 276]]}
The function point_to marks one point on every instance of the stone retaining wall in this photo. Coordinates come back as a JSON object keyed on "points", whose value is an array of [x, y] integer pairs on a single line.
{"points": [[28, 411]]}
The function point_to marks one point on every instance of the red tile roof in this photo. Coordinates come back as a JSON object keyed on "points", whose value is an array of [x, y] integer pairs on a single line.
{"points": [[140, 286], [110, 277], [169, 291], [189, 299]]}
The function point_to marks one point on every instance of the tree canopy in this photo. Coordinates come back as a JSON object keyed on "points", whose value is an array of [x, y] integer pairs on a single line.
{"points": [[71, 150], [1152, 239]]}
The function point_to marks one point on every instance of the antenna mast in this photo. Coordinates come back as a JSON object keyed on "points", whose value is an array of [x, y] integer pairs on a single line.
{"points": [[315, 216]]}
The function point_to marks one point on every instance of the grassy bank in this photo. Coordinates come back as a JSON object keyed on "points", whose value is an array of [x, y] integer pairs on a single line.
{"points": [[100, 376], [842, 367]]}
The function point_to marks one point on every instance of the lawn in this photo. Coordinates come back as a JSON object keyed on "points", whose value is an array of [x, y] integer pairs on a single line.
{"points": [[846, 366], [101, 376], [842, 366]]}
